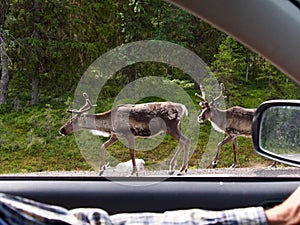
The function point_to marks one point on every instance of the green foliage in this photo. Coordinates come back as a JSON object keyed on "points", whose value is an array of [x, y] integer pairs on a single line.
{"points": [[246, 74], [30, 142], [54, 42]]}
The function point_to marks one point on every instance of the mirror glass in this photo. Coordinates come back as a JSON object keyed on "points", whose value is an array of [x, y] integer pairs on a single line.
{"points": [[280, 131]]}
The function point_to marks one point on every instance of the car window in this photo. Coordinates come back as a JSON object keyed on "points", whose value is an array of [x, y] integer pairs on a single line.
{"points": [[133, 58]]}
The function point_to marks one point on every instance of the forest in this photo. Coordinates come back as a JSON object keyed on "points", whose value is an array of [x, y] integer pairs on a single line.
{"points": [[47, 45]]}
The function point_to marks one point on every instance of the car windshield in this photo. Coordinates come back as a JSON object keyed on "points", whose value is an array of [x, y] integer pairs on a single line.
{"points": [[168, 90]]}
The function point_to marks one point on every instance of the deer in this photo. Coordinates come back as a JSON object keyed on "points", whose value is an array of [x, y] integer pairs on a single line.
{"points": [[128, 121], [233, 122]]}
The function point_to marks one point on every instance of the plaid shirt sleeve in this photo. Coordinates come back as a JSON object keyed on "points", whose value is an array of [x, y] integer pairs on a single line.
{"points": [[244, 216], [19, 211]]}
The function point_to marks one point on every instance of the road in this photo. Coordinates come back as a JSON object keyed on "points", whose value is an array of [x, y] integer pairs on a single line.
{"points": [[218, 172]]}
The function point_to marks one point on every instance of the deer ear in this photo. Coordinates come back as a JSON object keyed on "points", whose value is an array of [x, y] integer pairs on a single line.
{"points": [[204, 105]]}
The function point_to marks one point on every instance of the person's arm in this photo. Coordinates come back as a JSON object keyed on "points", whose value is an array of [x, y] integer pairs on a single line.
{"points": [[287, 212], [252, 215], [17, 210], [14, 209]]}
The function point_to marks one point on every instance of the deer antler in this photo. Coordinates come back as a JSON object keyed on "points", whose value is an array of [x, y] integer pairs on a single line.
{"points": [[202, 98], [87, 106], [220, 95]]}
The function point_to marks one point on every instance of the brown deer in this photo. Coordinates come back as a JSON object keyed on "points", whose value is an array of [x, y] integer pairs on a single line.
{"points": [[130, 121], [234, 122]]}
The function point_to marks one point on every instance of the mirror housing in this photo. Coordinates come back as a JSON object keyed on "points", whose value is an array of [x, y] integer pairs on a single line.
{"points": [[276, 131]]}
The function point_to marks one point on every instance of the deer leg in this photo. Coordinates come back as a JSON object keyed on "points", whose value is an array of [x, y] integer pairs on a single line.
{"points": [[103, 148], [174, 160], [235, 152], [176, 135], [183, 143], [225, 141], [273, 165], [132, 155], [186, 143]]}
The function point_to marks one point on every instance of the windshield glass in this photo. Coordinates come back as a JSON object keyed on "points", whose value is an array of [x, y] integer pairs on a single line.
{"points": [[96, 87]]}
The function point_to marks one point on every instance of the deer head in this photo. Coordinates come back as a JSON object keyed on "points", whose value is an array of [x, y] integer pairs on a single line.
{"points": [[208, 107], [79, 120]]}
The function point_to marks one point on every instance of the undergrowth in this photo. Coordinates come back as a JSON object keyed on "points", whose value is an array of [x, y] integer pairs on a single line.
{"points": [[30, 142]]}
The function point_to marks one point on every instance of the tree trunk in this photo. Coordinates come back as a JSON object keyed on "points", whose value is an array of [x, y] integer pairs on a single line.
{"points": [[4, 6], [35, 92], [4, 79], [36, 35], [132, 73], [247, 66], [254, 67], [4, 75]]}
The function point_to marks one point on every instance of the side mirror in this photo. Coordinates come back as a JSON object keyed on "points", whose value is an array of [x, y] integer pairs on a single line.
{"points": [[276, 131]]}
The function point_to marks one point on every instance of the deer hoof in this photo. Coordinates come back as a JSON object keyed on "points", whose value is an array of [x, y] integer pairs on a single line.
{"points": [[182, 171], [214, 164], [134, 171], [103, 168], [133, 174], [171, 172], [101, 173], [234, 166], [273, 165]]}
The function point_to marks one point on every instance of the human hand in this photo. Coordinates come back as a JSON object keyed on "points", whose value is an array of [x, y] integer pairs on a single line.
{"points": [[287, 213]]}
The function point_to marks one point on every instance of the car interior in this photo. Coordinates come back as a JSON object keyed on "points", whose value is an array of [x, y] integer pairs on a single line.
{"points": [[270, 28]]}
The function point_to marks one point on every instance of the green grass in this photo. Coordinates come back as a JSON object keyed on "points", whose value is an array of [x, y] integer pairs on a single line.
{"points": [[30, 142]]}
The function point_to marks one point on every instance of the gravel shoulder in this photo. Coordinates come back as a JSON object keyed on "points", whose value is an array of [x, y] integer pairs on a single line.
{"points": [[218, 172]]}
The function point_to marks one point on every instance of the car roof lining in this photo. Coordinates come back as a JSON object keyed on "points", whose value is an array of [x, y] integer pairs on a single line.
{"points": [[264, 28]]}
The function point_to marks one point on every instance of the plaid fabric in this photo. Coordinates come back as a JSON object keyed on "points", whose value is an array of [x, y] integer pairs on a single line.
{"points": [[20, 211], [245, 216]]}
